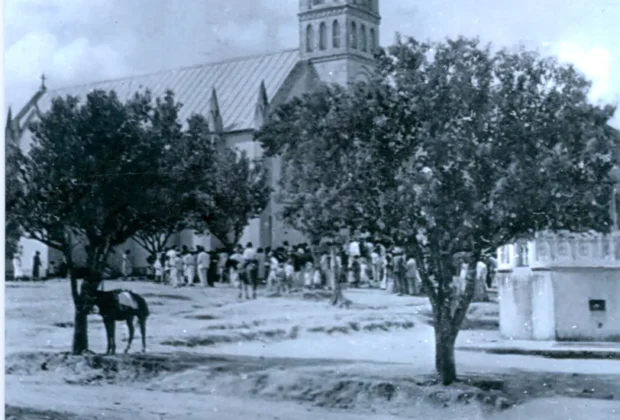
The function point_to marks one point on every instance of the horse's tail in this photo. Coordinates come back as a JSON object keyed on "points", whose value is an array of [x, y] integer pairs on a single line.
{"points": [[143, 307]]}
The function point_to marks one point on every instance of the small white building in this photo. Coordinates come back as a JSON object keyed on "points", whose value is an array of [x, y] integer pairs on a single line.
{"points": [[563, 287]]}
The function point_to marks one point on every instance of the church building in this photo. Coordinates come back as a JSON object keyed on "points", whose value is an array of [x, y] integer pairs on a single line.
{"points": [[337, 42]]}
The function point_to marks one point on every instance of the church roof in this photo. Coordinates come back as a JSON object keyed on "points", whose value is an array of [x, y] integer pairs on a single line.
{"points": [[236, 82]]}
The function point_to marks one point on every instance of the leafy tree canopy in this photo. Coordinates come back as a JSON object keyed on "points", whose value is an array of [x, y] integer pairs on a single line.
{"points": [[451, 148], [238, 191]]}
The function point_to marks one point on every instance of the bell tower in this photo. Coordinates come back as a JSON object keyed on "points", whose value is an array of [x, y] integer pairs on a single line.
{"points": [[339, 37]]}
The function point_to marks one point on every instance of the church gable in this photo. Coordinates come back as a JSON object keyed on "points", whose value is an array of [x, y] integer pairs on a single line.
{"points": [[234, 81]]}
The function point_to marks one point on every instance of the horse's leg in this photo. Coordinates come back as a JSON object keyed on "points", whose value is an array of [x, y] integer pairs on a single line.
{"points": [[142, 323], [109, 334], [131, 331], [254, 284], [113, 336], [240, 282]]}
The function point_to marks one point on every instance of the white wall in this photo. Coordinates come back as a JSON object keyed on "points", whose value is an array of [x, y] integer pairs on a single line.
{"points": [[574, 289], [515, 309]]}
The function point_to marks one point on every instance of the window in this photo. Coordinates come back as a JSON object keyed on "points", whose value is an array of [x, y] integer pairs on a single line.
{"points": [[363, 40], [336, 34], [309, 38], [318, 2], [373, 40], [353, 35], [522, 254], [322, 36]]}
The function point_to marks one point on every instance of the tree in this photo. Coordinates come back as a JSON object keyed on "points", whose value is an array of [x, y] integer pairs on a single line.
{"points": [[236, 191], [89, 181], [13, 193], [190, 154], [451, 150]]}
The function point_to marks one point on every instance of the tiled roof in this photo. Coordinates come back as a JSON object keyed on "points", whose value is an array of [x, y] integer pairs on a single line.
{"points": [[237, 83]]}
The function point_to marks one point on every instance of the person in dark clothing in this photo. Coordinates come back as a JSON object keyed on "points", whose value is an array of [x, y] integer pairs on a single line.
{"points": [[212, 271], [36, 266]]}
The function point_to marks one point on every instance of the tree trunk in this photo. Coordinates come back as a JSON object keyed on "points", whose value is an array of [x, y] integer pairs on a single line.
{"points": [[84, 300], [80, 330], [445, 339]]}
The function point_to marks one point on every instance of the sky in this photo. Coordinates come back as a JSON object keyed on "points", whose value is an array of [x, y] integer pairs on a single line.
{"points": [[79, 41]]}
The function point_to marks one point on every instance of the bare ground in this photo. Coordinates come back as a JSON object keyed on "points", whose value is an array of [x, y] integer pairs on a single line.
{"points": [[281, 357]]}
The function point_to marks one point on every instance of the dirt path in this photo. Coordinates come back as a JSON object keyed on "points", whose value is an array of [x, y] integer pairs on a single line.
{"points": [[284, 358], [119, 403]]}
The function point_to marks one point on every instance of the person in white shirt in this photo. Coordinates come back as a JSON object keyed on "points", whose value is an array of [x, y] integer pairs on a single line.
{"points": [[18, 273], [171, 265], [203, 262], [274, 269], [354, 249], [249, 254], [413, 277], [189, 264], [159, 270]]}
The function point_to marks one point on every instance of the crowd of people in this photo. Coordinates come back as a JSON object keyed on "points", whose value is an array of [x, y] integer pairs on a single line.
{"points": [[358, 262]]}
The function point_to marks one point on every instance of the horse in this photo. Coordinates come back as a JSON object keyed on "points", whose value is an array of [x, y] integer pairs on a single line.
{"points": [[121, 305], [248, 275]]}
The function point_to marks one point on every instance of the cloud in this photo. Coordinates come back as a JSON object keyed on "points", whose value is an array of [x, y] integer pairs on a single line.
{"points": [[594, 62], [55, 37], [63, 64]]}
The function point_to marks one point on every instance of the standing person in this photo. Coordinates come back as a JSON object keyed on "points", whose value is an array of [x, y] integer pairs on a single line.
{"points": [[296, 260], [400, 272], [375, 266], [180, 268], [163, 258], [150, 266], [356, 271], [189, 262], [234, 263], [126, 267], [213, 267], [222, 265], [159, 270], [413, 277], [171, 265], [36, 266], [203, 263], [354, 252], [18, 273], [249, 257], [272, 277], [262, 262]]}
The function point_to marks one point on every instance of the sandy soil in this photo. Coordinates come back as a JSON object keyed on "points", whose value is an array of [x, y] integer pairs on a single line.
{"points": [[281, 358]]}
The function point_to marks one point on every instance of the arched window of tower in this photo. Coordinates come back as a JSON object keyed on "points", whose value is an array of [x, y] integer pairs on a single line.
{"points": [[363, 40], [373, 40], [336, 34], [353, 35], [309, 38], [322, 36]]}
